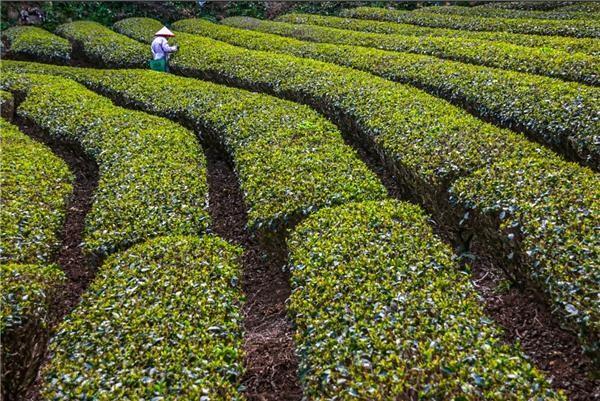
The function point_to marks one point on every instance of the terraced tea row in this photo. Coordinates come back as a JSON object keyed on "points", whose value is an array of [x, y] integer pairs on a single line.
{"points": [[577, 28], [484, 91], [572, 45], [67, 373], [383, 311], [137, 196], [161, 320], [36, 185], [430, 144], [36, 43], [488, 12], [554, 63]]}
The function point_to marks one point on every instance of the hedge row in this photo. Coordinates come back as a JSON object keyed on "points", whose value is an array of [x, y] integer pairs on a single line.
{"points": [[289, 160], [102, 46], [488, 12], [152, 172], [566, 120], [554, 63], [383, 311], [576, 28], [36, 185], [27, 293], [430, 144], [161, 321], [36, 43], [572, 45]]}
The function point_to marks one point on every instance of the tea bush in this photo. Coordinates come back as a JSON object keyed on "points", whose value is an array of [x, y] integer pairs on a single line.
{"points": [[382, 310], [290, 161], [584, 45], [490, 12], [566, 121], [36, 43], [152, 171], [36, 186], [161, 321], [577, 28], [101, 46], [573, 67]]}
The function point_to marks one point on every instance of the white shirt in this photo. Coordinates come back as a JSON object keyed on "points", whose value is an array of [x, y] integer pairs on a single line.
{"points": [[160, 47]]}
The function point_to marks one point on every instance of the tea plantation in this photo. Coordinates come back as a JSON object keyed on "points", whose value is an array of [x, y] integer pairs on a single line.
{"points": [[378, 205]]}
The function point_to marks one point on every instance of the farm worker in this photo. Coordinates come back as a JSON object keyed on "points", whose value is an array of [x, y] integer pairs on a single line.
{"points": [[161, 50]]}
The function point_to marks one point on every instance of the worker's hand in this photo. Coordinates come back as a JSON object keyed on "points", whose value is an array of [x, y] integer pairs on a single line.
{"points": [[176, 48]]}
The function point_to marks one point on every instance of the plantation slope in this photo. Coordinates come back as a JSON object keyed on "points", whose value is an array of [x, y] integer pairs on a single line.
{"points": [[548, 62], [152, 172], [383, 311], [161, 320], [567, 121], [429, 144], [290, 161], [575, 28], [36, 44], [572, 45]]}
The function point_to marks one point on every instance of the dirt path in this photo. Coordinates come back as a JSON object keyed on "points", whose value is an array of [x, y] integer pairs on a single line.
{"points": [[270, 360]]}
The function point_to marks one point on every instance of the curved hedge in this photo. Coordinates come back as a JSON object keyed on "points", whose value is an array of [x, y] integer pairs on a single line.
{"points": [[36, 43], [152, 171], [383, 311], [26, 297], [548, 212], [36, 186], [566, 120], [576, 28], [427, 142], [289, 159], [553, 63], [572, 45], [101, 46], [161, 321], [490, 12]]}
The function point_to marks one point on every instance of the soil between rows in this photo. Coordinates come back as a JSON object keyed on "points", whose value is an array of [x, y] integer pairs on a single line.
{"points": [[78, 268], [270, 360]]}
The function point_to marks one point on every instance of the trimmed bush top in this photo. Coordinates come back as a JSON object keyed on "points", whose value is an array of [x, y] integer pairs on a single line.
{"points": [[36, 186], [487, 91], [161, 321], [576, 28], [152, 171], [37, 43], [382, 310], [572, 45]]}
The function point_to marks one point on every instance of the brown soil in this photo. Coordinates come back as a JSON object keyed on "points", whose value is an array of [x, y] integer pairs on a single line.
{"points": [[270, 361], [77, 267]]}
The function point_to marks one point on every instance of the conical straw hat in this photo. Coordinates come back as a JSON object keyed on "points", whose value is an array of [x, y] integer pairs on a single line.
{"points": [[164, 31]]}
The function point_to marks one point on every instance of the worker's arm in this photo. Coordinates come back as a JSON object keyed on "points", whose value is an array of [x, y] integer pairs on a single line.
{"points": [[168, 49]]}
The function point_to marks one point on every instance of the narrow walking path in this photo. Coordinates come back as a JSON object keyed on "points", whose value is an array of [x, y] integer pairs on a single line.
{"points": [[270, 360]]}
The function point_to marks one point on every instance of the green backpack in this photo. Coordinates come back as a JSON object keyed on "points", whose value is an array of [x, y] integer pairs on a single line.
{"points": [[158, 65]]}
